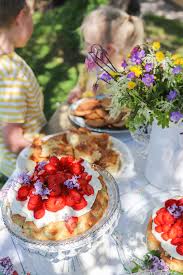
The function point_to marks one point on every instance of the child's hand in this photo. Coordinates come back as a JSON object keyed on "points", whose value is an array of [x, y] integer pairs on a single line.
{"points": [[14, 137], [74, 95]]}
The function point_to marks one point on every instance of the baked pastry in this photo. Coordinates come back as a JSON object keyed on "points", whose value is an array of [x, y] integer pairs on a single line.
{"points": [[62, 198], [95, 148], [165, 233]]}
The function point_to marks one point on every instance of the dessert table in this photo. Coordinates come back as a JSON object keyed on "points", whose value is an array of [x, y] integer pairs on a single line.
{"points": [[110, 257]]}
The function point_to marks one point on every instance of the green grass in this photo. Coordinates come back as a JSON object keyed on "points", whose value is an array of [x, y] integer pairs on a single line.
{"points": [[54, 50]]}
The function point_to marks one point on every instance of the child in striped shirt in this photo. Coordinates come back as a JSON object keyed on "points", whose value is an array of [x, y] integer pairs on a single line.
{"points": [[21, 99]]}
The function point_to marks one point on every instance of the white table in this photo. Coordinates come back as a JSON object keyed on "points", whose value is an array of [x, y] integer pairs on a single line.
{"points": [[107, 259]]}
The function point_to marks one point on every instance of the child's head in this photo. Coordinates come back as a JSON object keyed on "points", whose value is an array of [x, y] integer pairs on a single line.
{"points": [[113, 29], [16, 21]]}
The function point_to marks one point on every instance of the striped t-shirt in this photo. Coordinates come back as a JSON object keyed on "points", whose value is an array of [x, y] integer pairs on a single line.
{"points": [[21, 101]]}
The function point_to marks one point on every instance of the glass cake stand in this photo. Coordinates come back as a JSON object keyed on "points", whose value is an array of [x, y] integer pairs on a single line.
{"points": [[65, 249]]}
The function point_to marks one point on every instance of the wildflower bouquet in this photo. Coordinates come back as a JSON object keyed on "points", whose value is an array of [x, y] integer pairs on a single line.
{"points": [[149, 83]]}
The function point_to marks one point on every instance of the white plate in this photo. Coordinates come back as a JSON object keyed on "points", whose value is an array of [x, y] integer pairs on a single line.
{"points": [[125, 154], [79, 121]]}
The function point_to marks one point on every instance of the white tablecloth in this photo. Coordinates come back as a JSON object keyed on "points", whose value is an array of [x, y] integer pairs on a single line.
{"points": [[107, 259]]}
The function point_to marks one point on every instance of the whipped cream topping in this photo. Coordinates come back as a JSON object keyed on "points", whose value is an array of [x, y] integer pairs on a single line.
{"points": [[166, 245], [20, 207]]}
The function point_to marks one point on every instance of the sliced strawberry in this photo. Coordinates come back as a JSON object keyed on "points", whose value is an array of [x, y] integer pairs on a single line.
{"points": [[61, 177], [73, 197], [23, 192], [173, 233], [179, 249], [84, 175], [180, 202], [177, 241], [156, 221], [35, 202], [161, 210], [88, 178], [50, 169], [81, 205], [159, 229], [54, 185], [88, 189], [71, 224], [170, 202], [168, 218], [54, 161], [166, 227], [69, 159], [39, 213], [55, 204], [77, 168], [165, 236], [179, 230], [160, 216]]}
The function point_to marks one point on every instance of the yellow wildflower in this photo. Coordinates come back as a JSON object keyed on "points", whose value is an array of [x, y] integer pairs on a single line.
{"points": [[178, 61], [131, 85], [136, 70], [160, 56], [113, 74], [156, 45], [175, 56]]}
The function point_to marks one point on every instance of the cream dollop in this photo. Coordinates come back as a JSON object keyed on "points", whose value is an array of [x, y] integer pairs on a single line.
{"points": [[166, 245], [20, 207]]}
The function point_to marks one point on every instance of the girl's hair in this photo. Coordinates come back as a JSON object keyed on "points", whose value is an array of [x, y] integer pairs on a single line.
{"points": [[9, 9], [117, 27]]}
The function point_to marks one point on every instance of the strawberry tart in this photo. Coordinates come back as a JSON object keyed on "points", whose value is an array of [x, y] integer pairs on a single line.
{"points": [[165, 233], [60, 199]]}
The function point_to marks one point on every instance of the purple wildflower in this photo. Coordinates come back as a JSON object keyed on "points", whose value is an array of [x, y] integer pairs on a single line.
{"points": [[105, 77], [6, 266], [137, 56], [148, 79], [177, 70], [40, 165], [72, 183], [124, 64], [131, 75], [23, 178], [90, 62], [158, 264], [39, 187], [148, 67], [172, 95], [175, 116], [175, 210]]}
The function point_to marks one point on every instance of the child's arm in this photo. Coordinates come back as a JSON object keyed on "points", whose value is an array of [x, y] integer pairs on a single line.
{"points": [[13, 137]]}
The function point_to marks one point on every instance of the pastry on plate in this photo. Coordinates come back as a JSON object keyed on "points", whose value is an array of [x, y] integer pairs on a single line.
{"points": [[60, 199], [165, 232]]}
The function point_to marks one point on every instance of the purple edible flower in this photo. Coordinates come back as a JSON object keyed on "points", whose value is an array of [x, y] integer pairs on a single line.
{"points": [[175, 210], [23, 178], [124, 64], [6, 266], [177, 70], [131, 75], [105, 77], [172, 95], [148, 79], [90, 62], [72, 183], [158, 264], [137, 56], [40, 165], [175, 116], [39, 187], [148, 67]]}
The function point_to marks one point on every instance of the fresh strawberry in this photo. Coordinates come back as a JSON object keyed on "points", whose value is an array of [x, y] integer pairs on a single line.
{"points": [[77, 168], [54, 185], [61, 177], [180, 202], [179, 249], [69, 159], [159, 229], [161, 210], [35, 202], [156, 221], [71, 224], [55, 204], [166, 227], [159, 218], [170, 202], [39, 213], [179, 230], [177, 241], [73, 197], [54, 161], [88, 178], [50, 169], [82, 182], [23, 192], [165, 236], [173, 233], [85, 176], [168, 218], [88, 189], [80, 205]]}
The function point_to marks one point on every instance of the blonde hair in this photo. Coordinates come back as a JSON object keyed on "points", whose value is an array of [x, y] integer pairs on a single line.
{"points": [[117, 27]]}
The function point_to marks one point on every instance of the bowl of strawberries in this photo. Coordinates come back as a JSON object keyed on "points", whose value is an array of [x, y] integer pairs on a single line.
{"points": [[63, 207]]}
